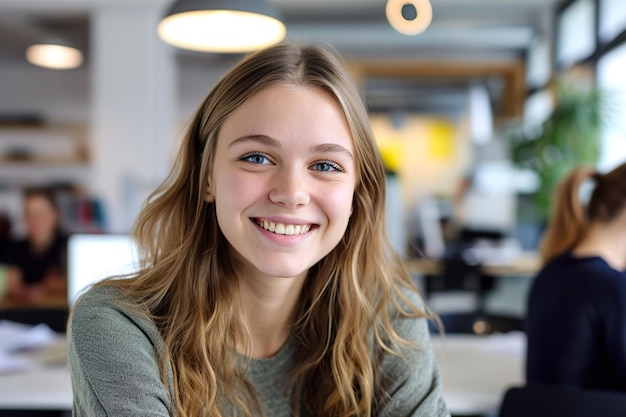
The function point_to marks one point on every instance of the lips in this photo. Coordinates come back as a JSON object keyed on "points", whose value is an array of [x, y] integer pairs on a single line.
{"points": [[283, 228]]}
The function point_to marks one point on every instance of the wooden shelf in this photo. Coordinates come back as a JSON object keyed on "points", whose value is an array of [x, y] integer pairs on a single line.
{"points": [[51, 153]]}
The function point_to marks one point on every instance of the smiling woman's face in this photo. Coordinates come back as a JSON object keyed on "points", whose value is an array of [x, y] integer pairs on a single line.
{"points": [[283, 179]]}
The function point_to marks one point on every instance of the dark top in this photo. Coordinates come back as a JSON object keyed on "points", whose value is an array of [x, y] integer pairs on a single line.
{"points": [[576, 325], [36, 265]]}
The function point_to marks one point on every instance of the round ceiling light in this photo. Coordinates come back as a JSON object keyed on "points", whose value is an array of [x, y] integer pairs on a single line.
{"points": [[54, 56], [232, 26], [409, 17]]}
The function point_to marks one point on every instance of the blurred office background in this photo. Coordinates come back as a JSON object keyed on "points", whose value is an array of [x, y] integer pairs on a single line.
{"points": [[446, 106]]}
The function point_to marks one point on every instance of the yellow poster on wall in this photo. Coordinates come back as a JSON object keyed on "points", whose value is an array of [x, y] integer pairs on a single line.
{"points": [[440, 137], [392, 149]]}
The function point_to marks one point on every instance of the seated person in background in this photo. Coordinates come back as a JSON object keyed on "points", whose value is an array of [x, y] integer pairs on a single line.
{"points": [[35, 265], [576, 317]]}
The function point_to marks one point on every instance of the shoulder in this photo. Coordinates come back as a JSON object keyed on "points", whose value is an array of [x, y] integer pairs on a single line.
{"points": [[114, 358], [107, 302], [408, 327], [413, 350], [14, 250], [576, 284], [411, 375], [101, 300], [97, 295], [588, 273], [102, 313]]}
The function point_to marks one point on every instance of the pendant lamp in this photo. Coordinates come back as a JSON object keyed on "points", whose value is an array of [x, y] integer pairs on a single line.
{"points": [[54, 55], [406, 22], [225, 26]]}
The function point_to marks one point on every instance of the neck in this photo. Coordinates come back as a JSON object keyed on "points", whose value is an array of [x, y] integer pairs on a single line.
{"points": [[606, 240], [268, 306]]}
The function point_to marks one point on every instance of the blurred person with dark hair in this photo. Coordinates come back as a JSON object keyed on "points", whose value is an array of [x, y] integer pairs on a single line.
{"points": [[35, 265], [576, 320]]}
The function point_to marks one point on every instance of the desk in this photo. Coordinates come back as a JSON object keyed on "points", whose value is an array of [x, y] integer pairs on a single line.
{"points": [[477, 370], [52, 310], [47, 386], [49, 301], [525, 265]]}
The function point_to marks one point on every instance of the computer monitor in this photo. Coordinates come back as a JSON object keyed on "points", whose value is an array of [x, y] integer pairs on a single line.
{"points": [[93, 257]]}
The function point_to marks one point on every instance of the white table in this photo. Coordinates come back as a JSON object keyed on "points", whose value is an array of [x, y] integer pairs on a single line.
{"points": [[45, 386], [42, 389], [477, 370]]}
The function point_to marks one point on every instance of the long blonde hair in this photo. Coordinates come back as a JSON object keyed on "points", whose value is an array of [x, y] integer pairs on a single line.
{"points": [[188, 282], [571, 216]]}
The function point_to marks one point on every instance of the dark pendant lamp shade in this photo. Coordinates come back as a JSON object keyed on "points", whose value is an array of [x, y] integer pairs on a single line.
{"points": [[234, 26]]}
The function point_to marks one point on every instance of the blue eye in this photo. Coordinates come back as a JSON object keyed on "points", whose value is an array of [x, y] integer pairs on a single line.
{"points": [[255, 158], [326, 166]]}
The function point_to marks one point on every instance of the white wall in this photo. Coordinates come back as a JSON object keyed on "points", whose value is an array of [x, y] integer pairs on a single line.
{"points": [[61, 96]]}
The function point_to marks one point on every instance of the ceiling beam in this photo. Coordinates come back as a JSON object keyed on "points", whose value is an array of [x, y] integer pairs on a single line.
{"points": [[512, 74]]}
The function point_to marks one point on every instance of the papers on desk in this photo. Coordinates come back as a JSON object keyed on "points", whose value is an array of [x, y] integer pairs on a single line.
{"points": [[17, 338], [10, 364]]}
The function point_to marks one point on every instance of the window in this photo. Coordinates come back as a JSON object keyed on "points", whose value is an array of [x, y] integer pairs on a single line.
{"points": [[610, 74], [612, 19], [538, 66], [576, 32]]}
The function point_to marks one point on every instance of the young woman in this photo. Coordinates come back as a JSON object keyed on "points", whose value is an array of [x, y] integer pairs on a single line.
{"points": [[268, 286], [576, 321]]}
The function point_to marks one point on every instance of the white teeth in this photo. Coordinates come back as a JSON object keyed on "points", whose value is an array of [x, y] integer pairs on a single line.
{"points": [[284, 229]]}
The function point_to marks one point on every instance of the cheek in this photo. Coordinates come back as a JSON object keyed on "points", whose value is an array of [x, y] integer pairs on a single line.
{"points": [[236, 192], [338, 204]]}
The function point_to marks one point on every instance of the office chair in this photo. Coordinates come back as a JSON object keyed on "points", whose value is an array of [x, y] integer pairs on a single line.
{"points": [[459, 274], [554, 401], [478, 323]]}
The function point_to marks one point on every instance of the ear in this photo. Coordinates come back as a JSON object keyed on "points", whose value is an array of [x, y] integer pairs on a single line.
{"points": [[208, 194]]}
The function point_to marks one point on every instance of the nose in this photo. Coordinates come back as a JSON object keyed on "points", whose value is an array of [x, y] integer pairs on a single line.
{"points": [[290, 188]]}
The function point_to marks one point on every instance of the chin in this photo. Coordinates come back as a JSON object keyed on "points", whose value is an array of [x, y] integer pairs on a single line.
{"points": [[284, 271]]}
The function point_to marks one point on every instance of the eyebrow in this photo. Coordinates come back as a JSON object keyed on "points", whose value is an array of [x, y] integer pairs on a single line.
{"points": [[266, 140], [332, 147], [262, 139]]}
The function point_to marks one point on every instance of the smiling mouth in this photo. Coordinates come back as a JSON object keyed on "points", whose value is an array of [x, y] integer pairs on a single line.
{"points": [[282, 228]]}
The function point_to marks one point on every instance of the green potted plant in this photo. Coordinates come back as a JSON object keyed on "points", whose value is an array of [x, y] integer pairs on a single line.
{"points": [[568, 138]]}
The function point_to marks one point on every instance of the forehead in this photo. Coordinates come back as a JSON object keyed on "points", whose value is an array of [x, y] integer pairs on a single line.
{"points": [[291, 99], [286, 111]]}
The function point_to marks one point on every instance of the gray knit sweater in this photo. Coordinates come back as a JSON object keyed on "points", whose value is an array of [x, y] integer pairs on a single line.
{"points": [[112, 357]]}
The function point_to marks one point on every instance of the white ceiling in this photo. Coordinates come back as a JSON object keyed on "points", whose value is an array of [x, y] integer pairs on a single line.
{"points": [[468, 28], [462, 30]]}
